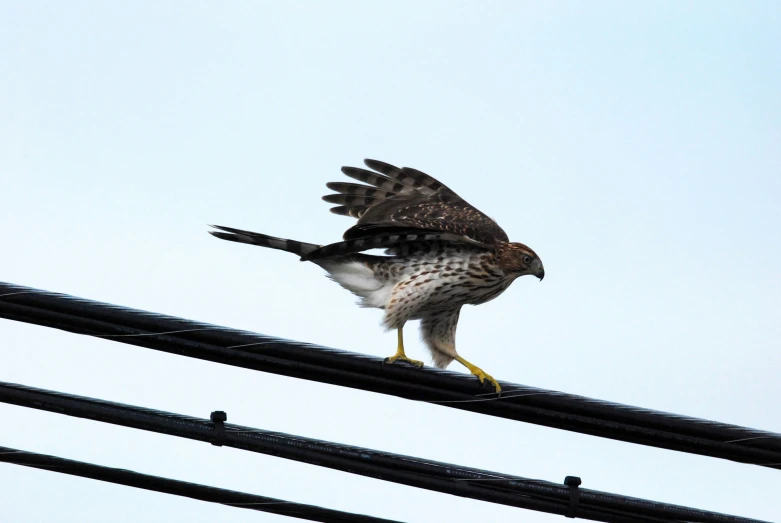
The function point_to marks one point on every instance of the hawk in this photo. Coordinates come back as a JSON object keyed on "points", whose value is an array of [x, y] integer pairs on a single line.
{"points": [[440, 253]]}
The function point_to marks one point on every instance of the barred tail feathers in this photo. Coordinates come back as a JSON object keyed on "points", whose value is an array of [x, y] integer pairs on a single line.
{"points": [[354, 273], [263, 240]]}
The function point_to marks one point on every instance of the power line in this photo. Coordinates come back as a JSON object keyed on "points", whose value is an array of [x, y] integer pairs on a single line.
{"points": [[472, 483], [186, 489], [289, 358]]}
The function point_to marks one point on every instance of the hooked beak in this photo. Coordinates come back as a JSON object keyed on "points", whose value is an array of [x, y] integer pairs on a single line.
{"points": [[541, 273]]}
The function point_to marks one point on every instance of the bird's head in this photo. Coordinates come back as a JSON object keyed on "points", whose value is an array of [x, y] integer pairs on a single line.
{"points": [[518, 259]]}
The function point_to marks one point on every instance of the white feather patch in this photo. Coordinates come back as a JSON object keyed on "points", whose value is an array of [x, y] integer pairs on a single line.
{"points": [[360, 280]]}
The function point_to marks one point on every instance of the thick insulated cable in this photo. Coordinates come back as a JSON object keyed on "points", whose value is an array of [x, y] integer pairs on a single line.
{"points": [[186, 489], [312, 362], [452, 479]]}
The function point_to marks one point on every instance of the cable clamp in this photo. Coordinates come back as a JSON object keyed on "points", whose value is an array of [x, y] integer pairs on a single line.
{"points": [[573, 482], [219, 417]]}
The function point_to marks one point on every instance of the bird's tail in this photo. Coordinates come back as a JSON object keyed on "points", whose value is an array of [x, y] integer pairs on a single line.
{"points": [[263, 240]]}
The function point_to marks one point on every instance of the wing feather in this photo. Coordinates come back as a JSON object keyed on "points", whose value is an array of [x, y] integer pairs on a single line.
{"points": [[352, 199], [358, 189], [387, 240], [349, 210], [377, 180], [405, 199]]}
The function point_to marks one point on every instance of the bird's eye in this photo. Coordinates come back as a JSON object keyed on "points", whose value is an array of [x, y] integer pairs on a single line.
{"points": [[527, 259]]}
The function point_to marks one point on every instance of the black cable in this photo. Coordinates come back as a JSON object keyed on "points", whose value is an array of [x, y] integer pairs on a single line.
{"points": [[432, 475], [312, 362], [186, 489]]}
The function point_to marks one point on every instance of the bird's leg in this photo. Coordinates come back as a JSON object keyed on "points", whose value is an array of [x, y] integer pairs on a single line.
{"points": [[400, 356], [481, 375]]}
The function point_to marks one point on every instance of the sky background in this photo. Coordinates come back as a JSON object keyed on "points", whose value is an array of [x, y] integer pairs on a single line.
{"points": [[636, 146]]}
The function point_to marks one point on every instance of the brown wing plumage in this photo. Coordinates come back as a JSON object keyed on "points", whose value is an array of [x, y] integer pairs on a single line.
{"points": [[401, 202]]}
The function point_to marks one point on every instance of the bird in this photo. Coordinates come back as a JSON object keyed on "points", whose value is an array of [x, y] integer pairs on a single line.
{"points": [[440, 253]]}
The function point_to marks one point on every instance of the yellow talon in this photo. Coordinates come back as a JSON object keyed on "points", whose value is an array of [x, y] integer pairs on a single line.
{"points": [[400, 356], [480, 373]]}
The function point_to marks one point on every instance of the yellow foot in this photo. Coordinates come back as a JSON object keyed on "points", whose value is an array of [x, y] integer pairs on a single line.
{"points": [[400, 356], [480, 373], [482, 376], [403, 357]]}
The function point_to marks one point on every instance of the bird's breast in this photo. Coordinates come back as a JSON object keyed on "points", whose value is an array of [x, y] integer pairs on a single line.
{"points": [[452, 278]]}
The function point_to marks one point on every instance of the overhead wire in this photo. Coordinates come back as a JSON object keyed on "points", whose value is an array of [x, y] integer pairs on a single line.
{"points": [[312, 362], [186, 489], [447, 478]]}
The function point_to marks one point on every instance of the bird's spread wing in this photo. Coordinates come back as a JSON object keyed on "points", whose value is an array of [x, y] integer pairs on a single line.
{"points": [[401, 202]]}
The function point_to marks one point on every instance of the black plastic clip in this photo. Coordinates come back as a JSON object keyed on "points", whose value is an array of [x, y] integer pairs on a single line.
{"points": [[573, 482], [219, 417]]}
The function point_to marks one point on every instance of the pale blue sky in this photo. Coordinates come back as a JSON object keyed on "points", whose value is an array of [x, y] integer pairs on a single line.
{"points": [[633, 145]]}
